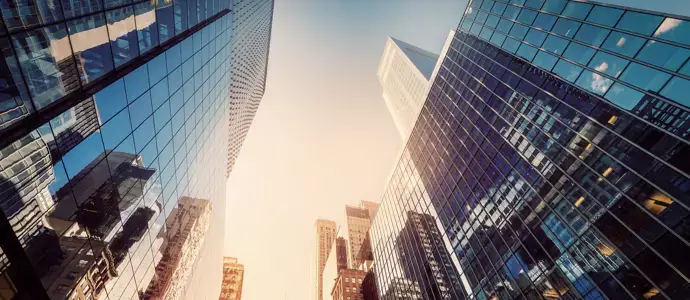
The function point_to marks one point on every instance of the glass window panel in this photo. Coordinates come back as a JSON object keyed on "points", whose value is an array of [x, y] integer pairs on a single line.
{"points": [[486, 33], [639, 22], [147, 27], [518, 2], [83, 154], [157, 69], [140, 109], [498, 8], [566, 27], [592, 35], [481, 17], [498, 38], [519, 31], [555, 44], [467, 24], [536, 4], [175, 80], [159, 93], [166, 20], [579, 53], [89, 40], [567, 70], [80, 8], [554, 6], [505, 25], [685, 69], [144, 134], [136, 83], [674, 30], [511, 45], [511, 12], [487, 4], [624, 44], [492, 21], [593, 82], [623, 96], [535, 37], [111, 100], [116, 3], [644, 77], [116, 130], [677, 89], [544, 21], [663, 55], [545, 60], [45, 58], [604, 15], [123, 36], [577, 10], [476, 29], [181, 20], [608, 64], [25, 14], [173, 58], [527, 16], [527, 52]]}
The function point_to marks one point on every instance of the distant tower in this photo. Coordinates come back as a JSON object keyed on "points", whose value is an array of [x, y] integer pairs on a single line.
{"points": [[325, 236]]}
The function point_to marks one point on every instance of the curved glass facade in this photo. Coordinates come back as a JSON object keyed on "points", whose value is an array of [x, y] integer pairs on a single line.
{"points": [[549, 160]]}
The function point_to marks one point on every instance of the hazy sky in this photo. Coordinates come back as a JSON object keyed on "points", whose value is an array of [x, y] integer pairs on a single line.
{"points": [[323, 137]]}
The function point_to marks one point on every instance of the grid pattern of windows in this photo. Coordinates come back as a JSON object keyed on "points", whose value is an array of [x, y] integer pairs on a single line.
{"points": [[543, 179], [94, 196]]}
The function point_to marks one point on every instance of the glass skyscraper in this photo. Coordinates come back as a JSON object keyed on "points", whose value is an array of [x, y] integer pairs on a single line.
{"points": [[551, 160], [113, 119]]}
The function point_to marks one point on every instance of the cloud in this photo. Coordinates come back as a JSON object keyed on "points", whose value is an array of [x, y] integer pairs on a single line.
{"points": [[600, 83], [621, 42], [668, 25]]}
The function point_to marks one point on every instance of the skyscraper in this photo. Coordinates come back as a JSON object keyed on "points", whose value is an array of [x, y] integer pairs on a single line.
{"points": [[358, 223], [325, 239], [233, 276], [109, 114], [550, 156]]}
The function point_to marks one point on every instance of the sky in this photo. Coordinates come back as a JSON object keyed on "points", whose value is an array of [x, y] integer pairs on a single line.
{"points": [[322, 137]]}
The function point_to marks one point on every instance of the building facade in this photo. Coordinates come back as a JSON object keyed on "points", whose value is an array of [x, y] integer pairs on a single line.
{"points": [[325, 240], [549, 158], [110, 113], [348, 285], [233, 276], [358, 223]]}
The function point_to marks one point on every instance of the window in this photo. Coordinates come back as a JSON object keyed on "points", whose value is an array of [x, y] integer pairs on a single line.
{"points": [[567, 70], [624, 44], [566, 27], [555, 44], [674, 30], [554, 6], [527, 16], [608, 64], [593, 82], [677, 89], [577, 10], [535, 37], [545, 60], [639, 22], [604, 15], [544, 21], [663, 55], [592, 35], [644, 77], [579, 53], [518, 31]]}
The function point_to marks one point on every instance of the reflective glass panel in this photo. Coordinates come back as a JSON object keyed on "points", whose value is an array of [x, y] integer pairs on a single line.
{"points": [[579, 53], [545, 60], [544, 21], [535, 37], [624, 44], [577, 10], [89, 39], [592, 35], [567, 70], [527, 52], [147, 27], [623, 96], [566, 27], [639, 22], [555, 44], [604, 15], [674, 30], [608, 64], [593, 82], [123, 34], [663, 55], [677, 89], [527, 16], [644, 77], [554, 6]]}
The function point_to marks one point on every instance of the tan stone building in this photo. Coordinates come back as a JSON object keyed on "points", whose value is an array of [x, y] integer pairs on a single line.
{"points": [[233, 276], [325, 237]]}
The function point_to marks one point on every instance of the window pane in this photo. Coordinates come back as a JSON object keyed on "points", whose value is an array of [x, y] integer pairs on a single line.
{"points": [[674, 30], [624, 44], [593, 82], [554, 6], [604, 15], [566, 27], [527, 52], [527, 16], [123, 36], [80, 8], [140, 110], [147, 27], [136, 83], [505, 25], [24, 14], [535, 37], [511, 45], [644, 77], [544, 21], [481, 17], [639, 22], [567, 70], [677, 89], [111, 100], [166, 21], [486, 33], [536, 4], [498, 8], [624, 96], [518, 31], [89, 40], [577, 10], [498, 38], [476, 29], [545, 60], [592, 35], [492, 21], [685, 69], [663, 55], [555, 44], [579, 53], [608, 64], [511, 12]]}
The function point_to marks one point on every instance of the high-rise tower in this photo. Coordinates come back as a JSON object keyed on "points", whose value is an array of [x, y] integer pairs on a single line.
{"points": [[551, 155], [325, 239]]}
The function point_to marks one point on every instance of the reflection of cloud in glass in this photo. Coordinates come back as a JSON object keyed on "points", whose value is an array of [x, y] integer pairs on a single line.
{"points": [[621, 42], [668, 25], [600, 83]]}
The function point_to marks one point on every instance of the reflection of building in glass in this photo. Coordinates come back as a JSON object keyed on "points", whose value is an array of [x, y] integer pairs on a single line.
{"points": [[402, 288], [358, 223], [233, 276], [72, 127], [325, 238], [369, 289], [186, 227], [552, 149], [341, 253]]}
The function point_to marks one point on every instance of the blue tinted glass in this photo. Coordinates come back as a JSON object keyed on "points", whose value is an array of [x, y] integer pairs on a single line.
{"points": [[577, 10], [545, 60], [594, 82], [527, 16], [518, 31], [157, 69], [486, 33], [166, 21], [639, 22], [624, 96], [624, 44], [159, 93], [567, 70], [498, 8], [677, 89], [84, 153], [162, 115], [136, 83], [173, 57], [487, 4], [476, 28], [555, 44], [604, 15], [579, 53], [144, 134], [511, 45], [518, 2], [566, 27], [181, 20], [554, 6], [176, 101], [147, 27], [535, 37], [511, 12], [123, 35], [498, 38], [592, 35], [492, 21], [544, 21], [644, 77], [608, 64], [116, 130], [140, 109], [663, 55], [527, 52], [80, 8], [685, 69], [536, 4], [111, 100], [505, 25], [89, 48], [174, 80], [466, 25], [481, 17], [674, 30]]}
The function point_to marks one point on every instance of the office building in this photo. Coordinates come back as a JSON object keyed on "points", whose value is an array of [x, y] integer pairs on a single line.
{"points": [[233, 275], [348, 285], [404, 73], [325, 239], [109, 115], [371, 207], [550, 157], [341, 253], [358, 223]]}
